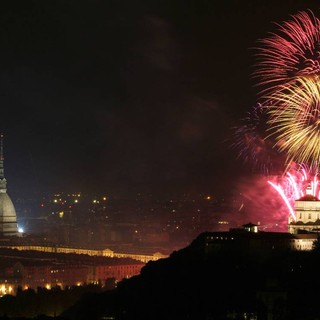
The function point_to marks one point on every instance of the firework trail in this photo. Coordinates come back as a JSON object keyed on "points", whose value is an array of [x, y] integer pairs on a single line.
{"points": [[292, 51], [295, 184], [284, 197]]}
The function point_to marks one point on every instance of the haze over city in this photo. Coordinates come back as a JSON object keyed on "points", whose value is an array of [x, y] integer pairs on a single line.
{"points": [[128, 100], [128, 97], [159, 159]]}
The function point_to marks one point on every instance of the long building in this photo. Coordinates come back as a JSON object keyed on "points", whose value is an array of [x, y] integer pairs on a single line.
{"points": [[249, 238], [30, 269], [90, 252]]}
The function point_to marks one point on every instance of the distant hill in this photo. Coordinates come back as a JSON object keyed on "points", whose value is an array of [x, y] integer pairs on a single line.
{"points": [[229, 284]]}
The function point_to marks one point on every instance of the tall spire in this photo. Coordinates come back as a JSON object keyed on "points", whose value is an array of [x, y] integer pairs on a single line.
{"points": [[3, 181], [8, 216], [1, 157]]}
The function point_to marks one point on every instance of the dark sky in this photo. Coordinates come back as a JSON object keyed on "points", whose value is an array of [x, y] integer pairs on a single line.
{"points": [[124, 96]]}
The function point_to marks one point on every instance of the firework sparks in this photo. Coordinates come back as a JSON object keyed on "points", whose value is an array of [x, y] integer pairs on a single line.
{"points": [[287, 123], [281, 192], [295, 120], [252, 144], [294, 50], [295, 184]]}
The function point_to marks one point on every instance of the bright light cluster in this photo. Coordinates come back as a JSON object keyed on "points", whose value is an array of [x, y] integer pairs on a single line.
{"points": [[5, 288]]}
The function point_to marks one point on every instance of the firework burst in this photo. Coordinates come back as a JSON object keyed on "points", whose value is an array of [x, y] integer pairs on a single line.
{"points": [[292, 51], [287, 123], [295, 120]]}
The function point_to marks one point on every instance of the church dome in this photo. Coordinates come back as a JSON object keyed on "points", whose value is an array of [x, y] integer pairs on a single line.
{"points": [[8, 217], [308, 197]]}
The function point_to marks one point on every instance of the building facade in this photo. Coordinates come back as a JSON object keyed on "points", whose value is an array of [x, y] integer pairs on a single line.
{"points": [[307, 210], [31, 274]]}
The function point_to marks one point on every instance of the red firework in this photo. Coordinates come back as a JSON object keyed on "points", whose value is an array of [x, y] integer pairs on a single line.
{"points": [[292, 51]]}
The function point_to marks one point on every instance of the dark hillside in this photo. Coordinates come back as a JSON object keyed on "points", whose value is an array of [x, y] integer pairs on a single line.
{"points": [[229, 284]]}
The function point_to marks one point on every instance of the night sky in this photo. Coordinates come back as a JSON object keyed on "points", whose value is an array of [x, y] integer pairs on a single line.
{"points": [[124, 96]]}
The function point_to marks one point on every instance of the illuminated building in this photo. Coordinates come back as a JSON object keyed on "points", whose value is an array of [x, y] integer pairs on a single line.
{"points": [[49, 274], [307, 210], [8, 217], [90, 252], [259, 242]]}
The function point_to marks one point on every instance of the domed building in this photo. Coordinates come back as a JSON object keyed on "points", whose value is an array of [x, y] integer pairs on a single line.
{"points": [[8, 216], [307, 210]]}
